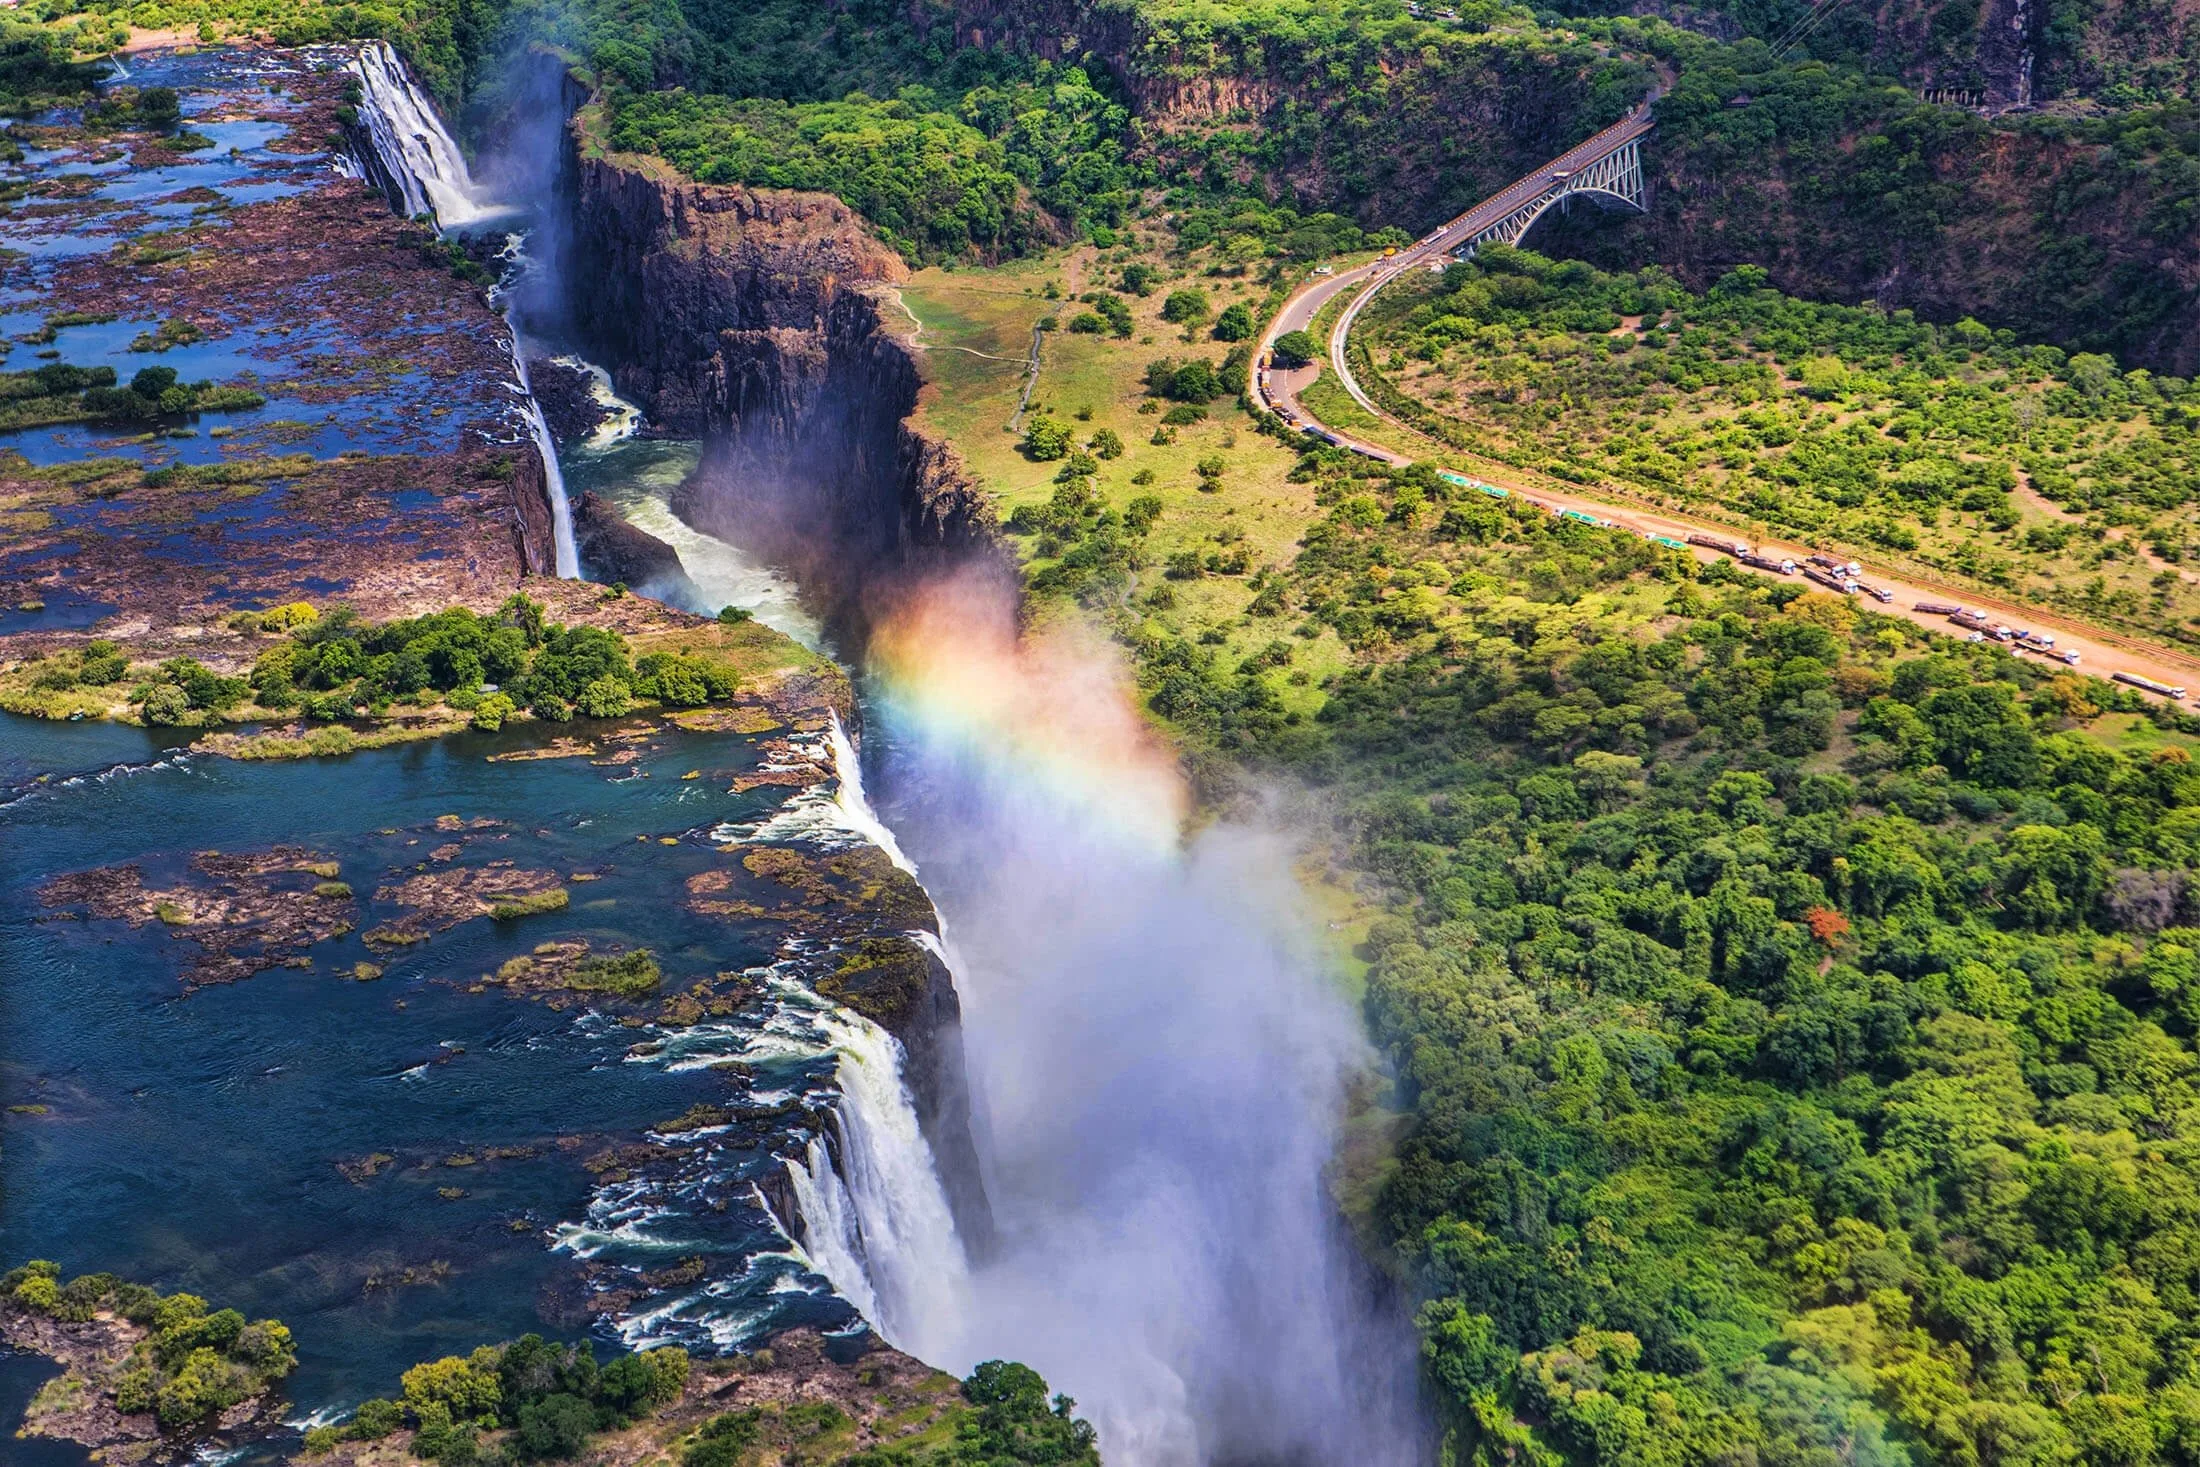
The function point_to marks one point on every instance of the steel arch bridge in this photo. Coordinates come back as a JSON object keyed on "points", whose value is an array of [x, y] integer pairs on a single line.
{"points": [[1612, 179]]}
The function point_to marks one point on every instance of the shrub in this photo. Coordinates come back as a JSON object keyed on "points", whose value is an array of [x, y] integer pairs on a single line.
{"points": [[491, 712], [375, 1419], [626, 975], [724, 1440], [1046, 439], [1193, 381], [157, 107], [512, 908], [683, 682], [1235, 323], [556, 1426], [165, 705], [605, 697], [1185, 305], [1106, 444]]}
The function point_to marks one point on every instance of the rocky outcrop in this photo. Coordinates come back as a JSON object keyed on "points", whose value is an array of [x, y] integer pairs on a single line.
{"points": [[761, 320], [567, 397], [613, 550]]}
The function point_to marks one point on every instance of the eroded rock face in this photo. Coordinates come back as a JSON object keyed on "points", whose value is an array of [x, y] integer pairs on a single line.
{"points": [[761, 320]]}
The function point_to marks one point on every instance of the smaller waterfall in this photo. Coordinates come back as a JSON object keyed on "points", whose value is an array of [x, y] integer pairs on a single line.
{"points": [[567, 552], [878, 1225], [415, 158], [855, 806], [420, 157]]}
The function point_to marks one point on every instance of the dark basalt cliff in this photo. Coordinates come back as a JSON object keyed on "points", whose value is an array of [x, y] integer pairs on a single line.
{"points": [[615, 551], [760, 321]]}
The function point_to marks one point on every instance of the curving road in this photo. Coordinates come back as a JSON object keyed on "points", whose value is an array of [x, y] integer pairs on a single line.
{"points": [[1277, 391]]}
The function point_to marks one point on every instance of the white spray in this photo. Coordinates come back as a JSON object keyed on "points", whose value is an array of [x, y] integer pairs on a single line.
{"points": [[423, 163], [878, 1225]]}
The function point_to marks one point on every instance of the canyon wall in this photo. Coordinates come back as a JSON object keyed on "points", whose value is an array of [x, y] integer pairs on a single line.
{"points": [[763, 321]]}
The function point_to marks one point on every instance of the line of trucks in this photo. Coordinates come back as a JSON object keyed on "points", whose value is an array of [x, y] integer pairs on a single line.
{"points": [[1844, 576]]}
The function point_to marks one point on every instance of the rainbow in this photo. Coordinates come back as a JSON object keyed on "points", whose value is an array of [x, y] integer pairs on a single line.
{"points": [[1050, 714]]}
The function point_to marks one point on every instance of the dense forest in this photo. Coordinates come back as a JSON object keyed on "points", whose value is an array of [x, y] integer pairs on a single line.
{"points": [[1792, 1007]]}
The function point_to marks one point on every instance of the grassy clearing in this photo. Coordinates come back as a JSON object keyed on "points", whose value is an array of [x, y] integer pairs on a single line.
{"points": [[1095, 382]]}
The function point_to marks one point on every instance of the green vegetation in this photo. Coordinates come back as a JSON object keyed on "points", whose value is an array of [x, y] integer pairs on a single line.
{"points": [[2059, 478], [336, 664], [512, 908], [1788, 1005], [997, 171], [623, 975], [56, 393], [529, 1401], [1002, 1419], [188, 1367]]}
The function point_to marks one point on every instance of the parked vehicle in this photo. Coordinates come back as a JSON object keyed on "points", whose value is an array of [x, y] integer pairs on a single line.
{"points": [[1720, 543], [1936, 608], [1766, 562], [2167, 690], [2069, 655]]}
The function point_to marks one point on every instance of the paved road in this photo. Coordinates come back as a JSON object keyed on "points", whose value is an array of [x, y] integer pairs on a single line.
{"points": [[1278, 390]]}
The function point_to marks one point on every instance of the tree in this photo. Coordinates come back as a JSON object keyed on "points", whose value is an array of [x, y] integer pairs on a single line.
{"points": [[157, 107], [1295, 349], [1046, 439], [1235, 323], [1107, 444]]}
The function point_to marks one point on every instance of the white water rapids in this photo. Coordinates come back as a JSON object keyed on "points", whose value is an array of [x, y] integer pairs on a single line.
{"points": [[421, 160]]}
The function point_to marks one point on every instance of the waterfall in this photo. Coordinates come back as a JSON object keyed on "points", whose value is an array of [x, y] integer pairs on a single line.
{"points": [[417, 161], [877, 1225], [855, 806], [420, 159], [553, 475]]}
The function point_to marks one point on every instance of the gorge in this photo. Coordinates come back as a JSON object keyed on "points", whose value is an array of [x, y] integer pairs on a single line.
{"points": [[1114, 1168], [1157, 1066]]}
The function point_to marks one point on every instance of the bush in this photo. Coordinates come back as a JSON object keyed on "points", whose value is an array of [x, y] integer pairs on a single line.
{"points": [[375, 1419], [627, 975], [1194, 381], [605, 697], [683, 682], [490, 713], [1046, 439], [555, 1427], [165, 705], [1185, 305], [157, 107]]}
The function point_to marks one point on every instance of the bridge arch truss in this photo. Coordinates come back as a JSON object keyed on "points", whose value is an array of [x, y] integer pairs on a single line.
{"points": [[1612, 181]]}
